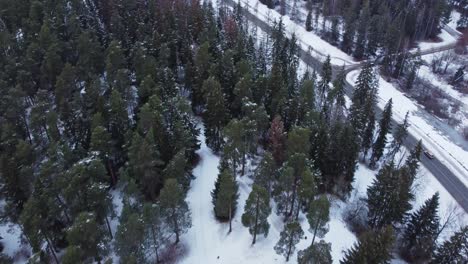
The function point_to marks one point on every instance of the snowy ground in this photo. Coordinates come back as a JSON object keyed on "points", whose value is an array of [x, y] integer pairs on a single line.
{"points": [[11, 240], [445, 39], [451, 154], [454, 17], [425, 186], [208, 239], [319, 47]]}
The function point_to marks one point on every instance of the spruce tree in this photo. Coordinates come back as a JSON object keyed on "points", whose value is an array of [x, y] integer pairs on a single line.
{"points": [[319, 253], [413, 160], [389, 196], [145, 164], [289, 238], [361, 38], [256, 211], [419, 238], [384, 129], [454, 250], [308, 23], [235, 147], [372, 247], [399, 135], [225, 197], [363, 103], [174, 209], [215, 116]]}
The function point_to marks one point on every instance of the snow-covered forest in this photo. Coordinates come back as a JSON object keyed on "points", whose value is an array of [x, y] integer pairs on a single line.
{"points": [[178, 131]]}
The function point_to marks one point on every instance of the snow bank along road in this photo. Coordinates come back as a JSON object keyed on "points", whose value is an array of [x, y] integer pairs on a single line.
{"points": [[449, 180]]}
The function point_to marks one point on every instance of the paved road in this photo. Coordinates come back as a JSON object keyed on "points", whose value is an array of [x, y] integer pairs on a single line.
{"points": [[449, 180]]}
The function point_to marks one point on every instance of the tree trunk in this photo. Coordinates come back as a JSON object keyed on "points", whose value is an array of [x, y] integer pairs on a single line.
{"points": [[52, 248], [293, 200], [315, 233], [176, 226], [111, 171], [289, 247], [243, 164], [155, 243], [256, 220], [230, 217], [109, 228]]}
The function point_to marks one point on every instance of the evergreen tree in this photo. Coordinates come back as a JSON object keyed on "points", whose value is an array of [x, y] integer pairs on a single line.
{"points": [[459, 75], [284, 190], [289, 238], [266, 172], [361, 38], [225, 197], [373, 247], [419, 239], [215, 116], [389, 196], [129, 238], [384, 129], [399, 136], [277, 140], [235, 147], [309, 21], [363, 104], [145, 163], [178, 168], [454, 250], [256, 211], [174, 209], [156, 231], [318, 217], [412, 162], [87, 236], [319, 253]]}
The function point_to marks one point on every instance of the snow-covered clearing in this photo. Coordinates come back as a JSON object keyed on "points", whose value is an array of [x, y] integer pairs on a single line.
{"points": [[452, 155], [208, 240]]}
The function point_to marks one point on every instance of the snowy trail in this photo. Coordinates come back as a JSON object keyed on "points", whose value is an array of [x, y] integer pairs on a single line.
{"points": [[199, 201]]}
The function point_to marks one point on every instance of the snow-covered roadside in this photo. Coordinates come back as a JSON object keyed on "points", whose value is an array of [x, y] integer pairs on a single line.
{"points": [[425, 186], [208, 241], [319, 47], [452, 155]]}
